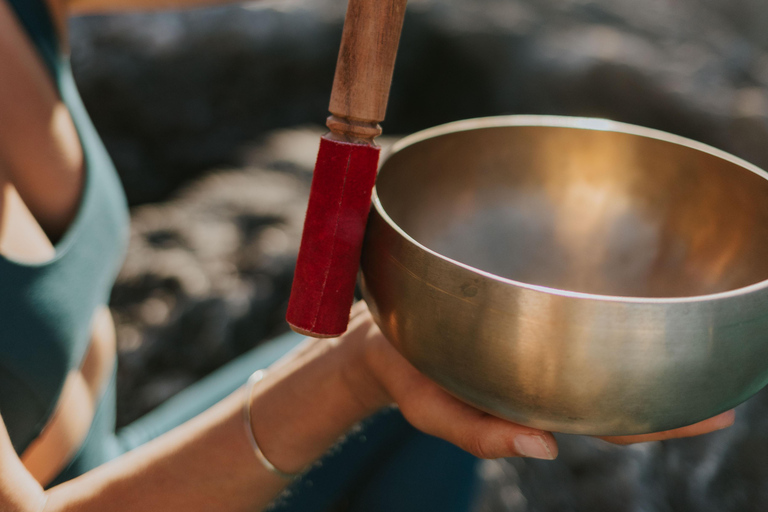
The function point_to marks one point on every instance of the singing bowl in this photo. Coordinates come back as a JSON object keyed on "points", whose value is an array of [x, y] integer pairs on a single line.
{"points": [[574, 275]]}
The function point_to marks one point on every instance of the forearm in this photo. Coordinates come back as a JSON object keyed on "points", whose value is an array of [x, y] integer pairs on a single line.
{"points": [[299, 410], [203, 465]]}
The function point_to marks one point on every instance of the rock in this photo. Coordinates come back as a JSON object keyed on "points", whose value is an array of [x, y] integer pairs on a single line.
{"points": [[749, 17], [177, 93], [208, 273], [718, 472]]}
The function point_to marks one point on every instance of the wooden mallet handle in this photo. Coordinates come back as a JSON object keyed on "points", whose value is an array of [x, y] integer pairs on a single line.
{"points": [[365, 67], [340, 198]]}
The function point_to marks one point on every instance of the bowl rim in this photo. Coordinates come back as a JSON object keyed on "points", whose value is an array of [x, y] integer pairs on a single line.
{"points": [[581, 123]]}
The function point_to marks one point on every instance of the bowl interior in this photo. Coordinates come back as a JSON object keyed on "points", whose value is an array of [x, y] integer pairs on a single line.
{"points": [[591, 211]]}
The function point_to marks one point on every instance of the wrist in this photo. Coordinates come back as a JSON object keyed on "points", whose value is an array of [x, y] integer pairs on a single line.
{"points": [[306, 402], [360, 371]]}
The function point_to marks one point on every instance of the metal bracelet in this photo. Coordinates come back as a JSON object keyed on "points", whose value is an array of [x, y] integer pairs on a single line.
{"points": [[252, 381]]}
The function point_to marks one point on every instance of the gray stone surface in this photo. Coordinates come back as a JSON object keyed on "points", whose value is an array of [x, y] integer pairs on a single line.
{"points": [[749, 17], [208, 272], [178, 94]]}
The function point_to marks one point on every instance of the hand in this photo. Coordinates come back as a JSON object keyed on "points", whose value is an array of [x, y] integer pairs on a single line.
{"points": [[389, 378], [718, 422]]}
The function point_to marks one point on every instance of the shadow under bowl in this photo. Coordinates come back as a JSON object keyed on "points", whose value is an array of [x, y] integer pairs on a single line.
{"points": [[574, 275]]}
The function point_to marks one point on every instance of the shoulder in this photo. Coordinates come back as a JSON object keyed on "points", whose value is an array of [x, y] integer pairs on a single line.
{"points": [[39, 146]]}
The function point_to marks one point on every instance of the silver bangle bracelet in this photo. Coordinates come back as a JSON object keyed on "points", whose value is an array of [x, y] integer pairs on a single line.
{"points": [[252, 381]]}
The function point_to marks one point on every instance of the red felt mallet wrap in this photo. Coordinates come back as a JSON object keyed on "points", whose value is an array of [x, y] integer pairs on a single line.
{"points": [[329, 257], [340, 198]]}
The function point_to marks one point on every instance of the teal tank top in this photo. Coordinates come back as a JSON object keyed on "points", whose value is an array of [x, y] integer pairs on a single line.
{"points": [[46, 309]]}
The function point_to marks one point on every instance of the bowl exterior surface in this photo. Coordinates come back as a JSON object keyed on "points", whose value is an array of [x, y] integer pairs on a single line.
{"points": [[563, 361]]}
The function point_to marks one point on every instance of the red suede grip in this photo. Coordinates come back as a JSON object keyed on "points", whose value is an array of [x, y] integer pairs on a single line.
{"points": [[329, 257]]}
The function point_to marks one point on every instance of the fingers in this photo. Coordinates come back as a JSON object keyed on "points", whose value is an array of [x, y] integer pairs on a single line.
{"points": [[358, 308], [719, 422], [433, 411]]}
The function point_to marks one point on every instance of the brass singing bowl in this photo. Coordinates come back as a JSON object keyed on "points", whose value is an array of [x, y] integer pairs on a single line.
{"points": [[574, 275]]}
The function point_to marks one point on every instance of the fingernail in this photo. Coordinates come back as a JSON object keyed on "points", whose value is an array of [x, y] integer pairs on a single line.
{"points": [[534, 447], [725, 420]]}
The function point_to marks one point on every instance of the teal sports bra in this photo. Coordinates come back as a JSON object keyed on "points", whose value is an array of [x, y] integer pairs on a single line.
{"points": [[46, 309]]}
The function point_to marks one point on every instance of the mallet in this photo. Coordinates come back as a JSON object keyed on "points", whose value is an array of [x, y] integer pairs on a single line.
{"points": [[340, 196]]}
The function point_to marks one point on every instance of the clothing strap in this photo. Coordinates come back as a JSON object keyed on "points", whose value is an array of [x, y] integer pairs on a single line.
{"points": [[37, 21], [68, 426]]}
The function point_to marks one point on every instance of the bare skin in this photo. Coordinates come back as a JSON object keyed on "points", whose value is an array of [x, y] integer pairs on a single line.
{"points": [[307, 401]]}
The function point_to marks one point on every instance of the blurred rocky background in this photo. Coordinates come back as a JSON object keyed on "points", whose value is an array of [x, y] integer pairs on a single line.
{"points": [[213, 117]]}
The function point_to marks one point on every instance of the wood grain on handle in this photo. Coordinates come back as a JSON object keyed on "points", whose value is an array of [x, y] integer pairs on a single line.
{"points": [[340, 198], [365, 67]]}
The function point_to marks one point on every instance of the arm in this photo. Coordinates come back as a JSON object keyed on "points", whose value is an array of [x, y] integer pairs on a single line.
{"points": [[301, 408], [305, 403]]}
